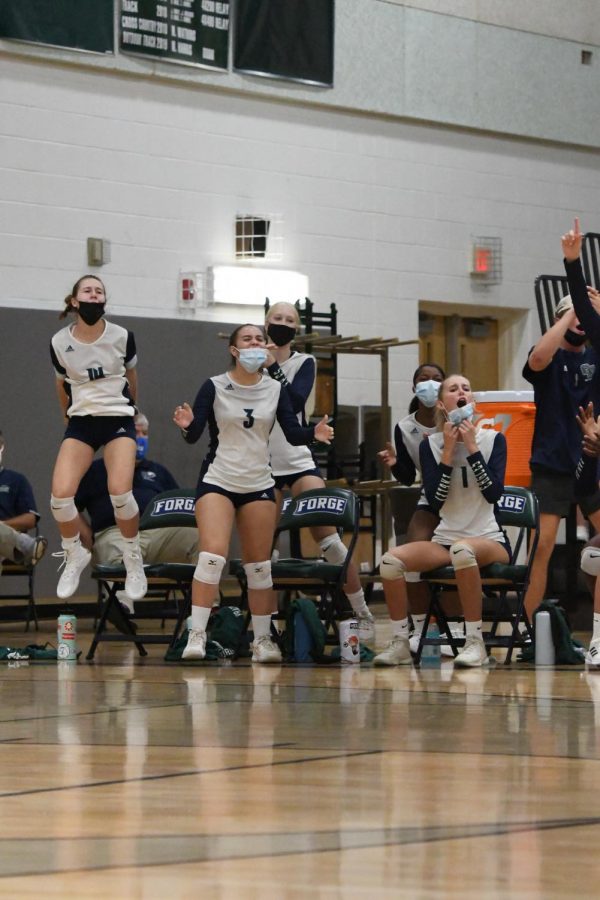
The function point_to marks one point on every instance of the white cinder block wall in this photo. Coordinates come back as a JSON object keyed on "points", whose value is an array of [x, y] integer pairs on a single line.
{"points": [[377, 210]]}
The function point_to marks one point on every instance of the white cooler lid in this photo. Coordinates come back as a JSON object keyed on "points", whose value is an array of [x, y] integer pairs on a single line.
{"points": [[503, 396]]}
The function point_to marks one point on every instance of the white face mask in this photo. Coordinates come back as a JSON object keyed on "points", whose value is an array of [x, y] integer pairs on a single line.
{"points": [[252, 358], [458, 415], [427, 392]]}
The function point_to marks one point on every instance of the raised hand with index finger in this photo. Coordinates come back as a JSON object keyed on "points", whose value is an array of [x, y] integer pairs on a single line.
{"points": [[571, 242]]}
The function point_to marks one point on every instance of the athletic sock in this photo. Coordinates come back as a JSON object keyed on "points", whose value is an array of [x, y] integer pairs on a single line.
{"points": [[357, 602], [200, 616], [261, 626], [400, 627]]}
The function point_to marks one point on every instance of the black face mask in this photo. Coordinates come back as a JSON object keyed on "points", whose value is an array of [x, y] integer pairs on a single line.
{"points": [[91, 312], [281, 334], [575, 339]]}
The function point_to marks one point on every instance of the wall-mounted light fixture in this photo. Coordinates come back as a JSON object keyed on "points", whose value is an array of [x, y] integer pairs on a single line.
{"points": [[248, 286]]}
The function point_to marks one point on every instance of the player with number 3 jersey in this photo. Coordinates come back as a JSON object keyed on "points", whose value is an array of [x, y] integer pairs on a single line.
{"points": [[240, 408]]}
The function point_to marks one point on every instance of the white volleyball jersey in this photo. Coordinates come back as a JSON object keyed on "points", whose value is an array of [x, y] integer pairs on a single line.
{"points": [[94, 374], [285, 458], [408, 435], [412, 433], [466, 512], [240, 419]]}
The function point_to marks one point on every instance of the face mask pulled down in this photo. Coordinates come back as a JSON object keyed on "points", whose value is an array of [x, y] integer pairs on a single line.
{"points": [[458, 415], [252, 358]]}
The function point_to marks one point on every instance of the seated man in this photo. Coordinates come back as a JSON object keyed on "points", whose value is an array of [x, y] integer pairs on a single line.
{"points": [[17, 516], [102, 536]]}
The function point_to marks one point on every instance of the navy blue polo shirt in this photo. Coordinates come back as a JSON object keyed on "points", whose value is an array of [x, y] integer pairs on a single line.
{"points": [[16, 496], [571, 380], [149, 479]]}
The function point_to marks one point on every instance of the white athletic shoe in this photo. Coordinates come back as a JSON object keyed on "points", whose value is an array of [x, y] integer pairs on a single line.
{"points": [[397, 653], [126, 602], [473, 653], [136, 584], [366, 626], [75, 559], [414, 640], [265, 650], [592, 657], [196, 645], [457, 630]]}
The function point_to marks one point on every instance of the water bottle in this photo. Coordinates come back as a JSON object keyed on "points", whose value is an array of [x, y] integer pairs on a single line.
{"points": [[66, 634], [431, 655], [349, 641], [544, 644]]}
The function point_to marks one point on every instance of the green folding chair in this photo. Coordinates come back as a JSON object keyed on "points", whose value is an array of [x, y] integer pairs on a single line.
{"points": [[517, 508]]}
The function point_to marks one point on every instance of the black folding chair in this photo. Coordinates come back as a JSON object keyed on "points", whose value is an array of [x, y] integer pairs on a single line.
{"points": [[590, 258], [517, 508], [549, 291], [25, 574], [334, 506], [166, 581]]}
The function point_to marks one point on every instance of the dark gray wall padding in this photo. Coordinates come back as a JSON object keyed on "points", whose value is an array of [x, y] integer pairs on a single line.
{"points": [[174, 358]]}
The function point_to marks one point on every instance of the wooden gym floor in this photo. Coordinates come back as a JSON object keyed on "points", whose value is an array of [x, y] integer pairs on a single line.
{"points": [[131, 778]]}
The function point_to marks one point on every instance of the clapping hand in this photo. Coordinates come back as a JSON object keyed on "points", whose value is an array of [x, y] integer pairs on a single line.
{"points": [[388, 456], [183, 416], [324, 432], [594, 297], [590, 429]]}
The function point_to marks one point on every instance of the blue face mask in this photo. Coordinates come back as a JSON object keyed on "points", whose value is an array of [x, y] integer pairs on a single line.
{"points": [[252, 358], [141, 447], [427, 392], [458, 415]]}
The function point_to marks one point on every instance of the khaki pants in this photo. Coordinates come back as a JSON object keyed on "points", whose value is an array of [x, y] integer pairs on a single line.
{"points": [[158, 545], [8, 542]]}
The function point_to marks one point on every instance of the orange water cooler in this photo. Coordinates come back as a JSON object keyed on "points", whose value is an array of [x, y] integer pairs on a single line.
{"points": [[513, 413]]}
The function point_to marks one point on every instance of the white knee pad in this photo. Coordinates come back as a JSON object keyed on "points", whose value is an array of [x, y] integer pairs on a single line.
{"points": [[258, 575], [413, 577], [333, 549], [462, 556], [63, 508], [209, 568], [590, 561], [124, 505], [391, 568]]}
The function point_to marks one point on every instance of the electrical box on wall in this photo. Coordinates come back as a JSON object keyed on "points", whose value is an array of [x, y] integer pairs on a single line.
{"points": [[190, 293]]}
